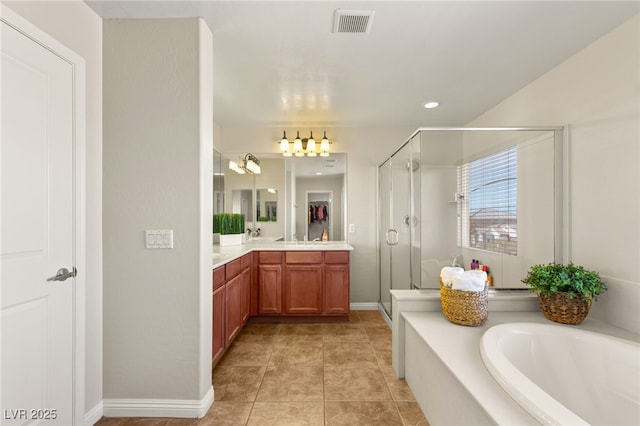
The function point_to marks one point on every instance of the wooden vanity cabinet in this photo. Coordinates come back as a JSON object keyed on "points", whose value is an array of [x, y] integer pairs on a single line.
{"points": [[303, 278], [231, 301], [336, 282], [238, 273], [245, 278], [269, 282], [307, 285], [302, 285], [219, 313], [234, 299]]}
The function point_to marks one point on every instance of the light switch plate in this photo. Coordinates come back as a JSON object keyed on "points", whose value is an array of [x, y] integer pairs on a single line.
{"points": [[159, 238], [352, 228]]}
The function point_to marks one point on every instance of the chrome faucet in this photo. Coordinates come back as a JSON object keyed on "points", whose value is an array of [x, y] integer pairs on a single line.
{"points": [[315, 240], [253, 232]]}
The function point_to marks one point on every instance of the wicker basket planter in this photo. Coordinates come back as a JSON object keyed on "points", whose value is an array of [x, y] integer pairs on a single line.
{"points": [[559, 307], [554, 283], [462, 307]]}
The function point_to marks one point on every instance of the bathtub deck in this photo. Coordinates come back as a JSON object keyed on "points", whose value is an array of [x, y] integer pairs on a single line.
{"points": [[431, 338]]}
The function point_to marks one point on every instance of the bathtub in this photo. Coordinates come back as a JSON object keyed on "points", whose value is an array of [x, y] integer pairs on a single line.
{"points": [[563, 375]]}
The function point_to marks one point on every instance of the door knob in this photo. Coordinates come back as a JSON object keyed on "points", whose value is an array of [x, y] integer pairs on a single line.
{"points": [[63, 274]]}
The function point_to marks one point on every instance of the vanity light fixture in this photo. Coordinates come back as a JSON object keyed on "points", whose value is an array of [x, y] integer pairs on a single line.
{"points": [[250, 164], [302, 146], [284, 145], [297, 146], [311, 146], [235, 167], [324, 146]]}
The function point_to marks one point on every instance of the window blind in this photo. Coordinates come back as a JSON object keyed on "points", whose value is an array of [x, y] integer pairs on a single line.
{"points": [[487, 203]]}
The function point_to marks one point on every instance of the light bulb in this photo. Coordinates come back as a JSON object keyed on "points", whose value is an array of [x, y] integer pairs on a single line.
{"points": [[284, 143], [297, 146], [311, 146], [324, 146]]}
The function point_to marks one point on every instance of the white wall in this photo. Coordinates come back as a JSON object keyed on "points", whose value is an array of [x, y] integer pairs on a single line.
{"points": [[157, 175], [76, 26], [597, 94]]}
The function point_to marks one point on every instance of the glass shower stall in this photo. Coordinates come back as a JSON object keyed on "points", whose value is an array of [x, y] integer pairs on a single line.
{"points": [[453, 195]]}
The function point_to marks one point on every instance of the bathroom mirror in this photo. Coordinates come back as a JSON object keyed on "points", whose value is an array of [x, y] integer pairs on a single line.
{"points": [[218, 183], [292, 179], [250, 193], [267, 205], [242, 202], [315, 183], [238, 190]]}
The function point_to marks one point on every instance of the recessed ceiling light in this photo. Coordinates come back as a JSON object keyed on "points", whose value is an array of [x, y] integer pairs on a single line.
{"points": [[318, 173], [431, 104]]}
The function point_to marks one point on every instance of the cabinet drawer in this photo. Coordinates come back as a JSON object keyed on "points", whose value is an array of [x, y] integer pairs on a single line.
{"points": [[270, 257], [303, 257], [218, 277], [245, 261], [233, 268], [336, 257]]}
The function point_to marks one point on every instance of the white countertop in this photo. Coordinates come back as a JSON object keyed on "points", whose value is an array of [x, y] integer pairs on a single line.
{"points": [[225, 254]]}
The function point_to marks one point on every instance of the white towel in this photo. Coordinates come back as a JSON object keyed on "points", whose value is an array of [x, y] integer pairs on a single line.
{"points": [[448, 273], [470, 281]]}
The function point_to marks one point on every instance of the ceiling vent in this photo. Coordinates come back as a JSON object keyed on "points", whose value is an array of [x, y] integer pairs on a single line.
{"points": [[352, 21]]}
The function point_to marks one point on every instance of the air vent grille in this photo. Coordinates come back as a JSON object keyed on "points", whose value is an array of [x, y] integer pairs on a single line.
{"points": [[352, 21]]}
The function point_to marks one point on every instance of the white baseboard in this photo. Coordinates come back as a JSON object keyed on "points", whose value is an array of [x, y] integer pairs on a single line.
{"points": [[92, 416], [185, 408], [372, 306]]}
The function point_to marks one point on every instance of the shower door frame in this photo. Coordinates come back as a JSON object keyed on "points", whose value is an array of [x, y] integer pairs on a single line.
{"points": [[395, 223], [561, 158]]}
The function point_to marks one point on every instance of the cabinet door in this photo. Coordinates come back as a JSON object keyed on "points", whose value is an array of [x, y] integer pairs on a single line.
{"points": [[336, 290], [269, 289], [218, 277], [234, 307], [245, 279], [219, 335], [303, 289]]}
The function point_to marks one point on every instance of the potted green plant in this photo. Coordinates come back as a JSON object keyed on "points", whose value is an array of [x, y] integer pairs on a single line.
{"points": [[565, 292], [230, 226]]}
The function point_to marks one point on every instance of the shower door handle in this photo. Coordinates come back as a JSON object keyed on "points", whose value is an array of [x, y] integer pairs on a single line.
{"points": [[394, 241]]}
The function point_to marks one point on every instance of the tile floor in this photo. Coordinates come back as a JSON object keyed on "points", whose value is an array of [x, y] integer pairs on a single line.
{"points": [[306, 374]]}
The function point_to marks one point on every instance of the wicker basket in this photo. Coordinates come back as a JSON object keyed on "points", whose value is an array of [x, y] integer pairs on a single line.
{"points": [[559, 307], [464, 307]]}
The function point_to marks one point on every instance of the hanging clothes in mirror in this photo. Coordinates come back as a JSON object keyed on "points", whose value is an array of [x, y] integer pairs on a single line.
{"points": [[318, 211]]}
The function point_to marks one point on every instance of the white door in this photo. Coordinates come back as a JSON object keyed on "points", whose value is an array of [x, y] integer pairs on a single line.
{"points": [[37, 233]]}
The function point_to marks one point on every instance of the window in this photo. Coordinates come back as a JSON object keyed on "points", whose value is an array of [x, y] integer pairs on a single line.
{"points": [[487, 203]]}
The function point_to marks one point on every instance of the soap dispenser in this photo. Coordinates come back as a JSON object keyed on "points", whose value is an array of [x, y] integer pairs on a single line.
{"points": [[325, 235]]}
